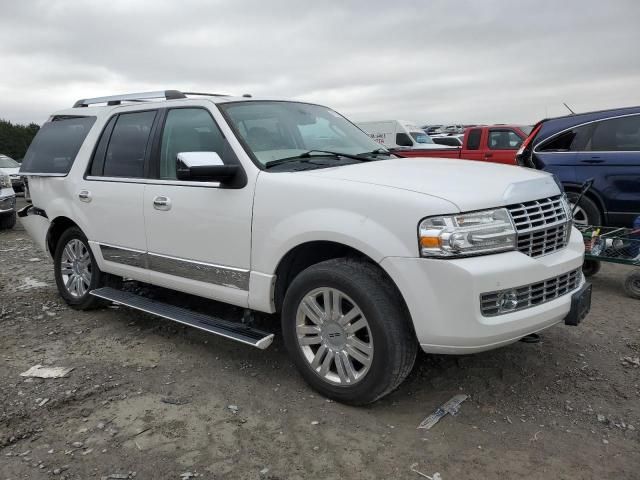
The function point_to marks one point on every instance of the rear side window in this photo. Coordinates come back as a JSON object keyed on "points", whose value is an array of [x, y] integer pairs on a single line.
{"points": [[616, 135], [473, 143], [127, 147], [570, 141], [55, 146]]}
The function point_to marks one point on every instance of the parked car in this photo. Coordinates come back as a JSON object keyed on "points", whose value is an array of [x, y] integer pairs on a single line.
{"points": [[432, 129], [494, 143], [452, 129], [603, 146], [9, 166], [449, 140], [287, 207], [398, 133], [7, 202]]}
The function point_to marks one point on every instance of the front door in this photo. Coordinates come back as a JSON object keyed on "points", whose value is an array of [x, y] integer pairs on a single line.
{"points": [[198, 234], [502, 145]]}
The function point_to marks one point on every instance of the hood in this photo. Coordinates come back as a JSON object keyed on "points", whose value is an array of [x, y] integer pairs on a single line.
{"points": [[470, 185], [10, 171]]}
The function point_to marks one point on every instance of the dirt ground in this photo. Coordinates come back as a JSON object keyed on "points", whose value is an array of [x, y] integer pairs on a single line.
{"points": [[149, 399]]}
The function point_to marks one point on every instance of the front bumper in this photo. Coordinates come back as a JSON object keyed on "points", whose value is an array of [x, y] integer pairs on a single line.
{"points": [[443, 296], [7, 204]]}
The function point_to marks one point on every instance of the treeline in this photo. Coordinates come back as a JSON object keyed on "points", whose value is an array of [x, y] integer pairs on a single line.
{"points": [[15, 139]]}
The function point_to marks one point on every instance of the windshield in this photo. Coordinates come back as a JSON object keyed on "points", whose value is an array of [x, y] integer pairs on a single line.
{"points": [[274, 130], [421, 137], [8, 162]]}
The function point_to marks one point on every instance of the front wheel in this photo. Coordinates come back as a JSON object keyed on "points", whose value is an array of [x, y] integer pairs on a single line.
{"points": [[586, 212], [76, 270], [347, 331]]}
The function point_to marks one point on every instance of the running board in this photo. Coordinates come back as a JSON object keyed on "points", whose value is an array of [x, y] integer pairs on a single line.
{"points": [[218, 326]]}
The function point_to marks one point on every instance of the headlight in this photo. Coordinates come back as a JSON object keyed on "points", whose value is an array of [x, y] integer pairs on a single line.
{"points": [[466, 234], [5, 181]]}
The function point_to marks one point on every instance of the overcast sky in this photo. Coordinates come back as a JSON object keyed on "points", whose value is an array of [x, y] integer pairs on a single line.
{"points": [[428, 61]]}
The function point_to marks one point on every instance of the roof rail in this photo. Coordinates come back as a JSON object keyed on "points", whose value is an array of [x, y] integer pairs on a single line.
{"points": [[131, 97], [140, 97]]}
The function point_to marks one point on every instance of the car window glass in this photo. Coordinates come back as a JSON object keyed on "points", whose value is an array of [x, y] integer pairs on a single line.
{"points": [[128, 145], [569, 141], [504, 140], [473, 142], [617, 134], [187, 130], [55, 146], [8, 162]]}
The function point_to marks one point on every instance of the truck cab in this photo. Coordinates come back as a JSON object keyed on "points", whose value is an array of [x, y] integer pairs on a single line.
{"points": [[398, 133]]}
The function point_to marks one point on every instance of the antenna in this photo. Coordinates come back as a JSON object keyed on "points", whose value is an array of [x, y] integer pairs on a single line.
{"points": [[569, 108]]}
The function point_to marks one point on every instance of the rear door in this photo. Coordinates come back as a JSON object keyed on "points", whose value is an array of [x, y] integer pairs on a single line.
{"points": [[502, 145], [110, 197], [612, 158]]}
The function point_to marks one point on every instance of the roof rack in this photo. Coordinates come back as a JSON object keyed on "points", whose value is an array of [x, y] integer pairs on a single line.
{"points": [[141, 97]]}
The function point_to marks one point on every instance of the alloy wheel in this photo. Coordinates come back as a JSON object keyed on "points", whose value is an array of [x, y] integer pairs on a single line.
{"points": [[75, 268], [334, 336]]}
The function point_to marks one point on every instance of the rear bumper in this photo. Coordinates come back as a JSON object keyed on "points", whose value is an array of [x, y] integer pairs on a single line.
{"points": [[443, 296], [36, 223]]}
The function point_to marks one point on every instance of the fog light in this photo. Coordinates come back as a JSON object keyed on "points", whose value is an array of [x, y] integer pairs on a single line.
{"points": [[507, 301]]}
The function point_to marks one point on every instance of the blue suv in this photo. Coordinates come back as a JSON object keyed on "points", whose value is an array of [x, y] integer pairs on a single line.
{"points": [[603, 145]]}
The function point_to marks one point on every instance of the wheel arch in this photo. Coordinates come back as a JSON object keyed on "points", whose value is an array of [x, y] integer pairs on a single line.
{"points": [[58, 226], [306, 254], [590, 194]]}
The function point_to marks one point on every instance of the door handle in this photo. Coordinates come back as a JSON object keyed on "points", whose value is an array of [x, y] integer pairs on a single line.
{"points": [[162, 203], [592, 160], [488, 155], [84, 196]]}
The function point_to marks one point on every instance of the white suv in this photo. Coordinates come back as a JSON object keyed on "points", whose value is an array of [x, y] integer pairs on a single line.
{"points": [[287, 207]]}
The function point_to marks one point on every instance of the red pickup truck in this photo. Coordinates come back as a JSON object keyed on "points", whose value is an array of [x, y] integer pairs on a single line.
{"points": [[493, 143]]}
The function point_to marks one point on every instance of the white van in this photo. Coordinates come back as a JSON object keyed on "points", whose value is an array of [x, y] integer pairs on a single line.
{"points": [[398, 133]]}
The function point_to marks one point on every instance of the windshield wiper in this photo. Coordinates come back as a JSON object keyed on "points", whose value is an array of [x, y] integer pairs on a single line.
{"points": [[363, 157]]}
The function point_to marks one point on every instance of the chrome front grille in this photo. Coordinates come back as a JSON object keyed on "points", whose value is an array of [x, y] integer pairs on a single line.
{"points": [[543, 225], [531, 295]]}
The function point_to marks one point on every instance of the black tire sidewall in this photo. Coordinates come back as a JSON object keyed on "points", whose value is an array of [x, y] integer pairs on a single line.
{"points": [[590, 267], [594, 217], [379, 307], [7, 221], [630, 285], [87, 300]]}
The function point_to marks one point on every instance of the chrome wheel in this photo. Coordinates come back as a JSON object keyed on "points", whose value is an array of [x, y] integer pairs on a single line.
{"points": [[334, 336], [579, 215], [75, 268]]}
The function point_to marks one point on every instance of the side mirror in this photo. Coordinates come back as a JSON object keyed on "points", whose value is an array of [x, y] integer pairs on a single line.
{"points": [[403, 140], [204, 167]]}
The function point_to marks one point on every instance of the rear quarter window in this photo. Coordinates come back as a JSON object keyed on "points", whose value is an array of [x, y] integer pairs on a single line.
{"points": [[55, 146]]}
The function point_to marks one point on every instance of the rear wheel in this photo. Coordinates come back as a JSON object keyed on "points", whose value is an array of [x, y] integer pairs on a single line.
{"points": [[586, 212], [76, 270], [7, 221], [347, 331], [632, 285]]}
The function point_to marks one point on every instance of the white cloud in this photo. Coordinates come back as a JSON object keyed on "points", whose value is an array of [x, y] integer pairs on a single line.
{"points": [[435, 61]]}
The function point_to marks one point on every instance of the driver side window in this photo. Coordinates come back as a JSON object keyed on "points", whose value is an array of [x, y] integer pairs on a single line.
{"points": [[187, 130]]}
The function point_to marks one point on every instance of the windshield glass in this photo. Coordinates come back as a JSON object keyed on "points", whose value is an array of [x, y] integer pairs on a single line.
{"points": [[274, 130], [421, 137], [8, 162]]}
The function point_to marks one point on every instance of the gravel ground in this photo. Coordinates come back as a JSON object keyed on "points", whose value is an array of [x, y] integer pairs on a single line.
{"points": [[152, 400]]}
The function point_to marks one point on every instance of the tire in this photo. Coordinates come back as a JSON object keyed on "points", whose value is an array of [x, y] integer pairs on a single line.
{"points": [[387, 331], [591, 267], [78, 298], [632, 285], [587, 213], [7, 221]]}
